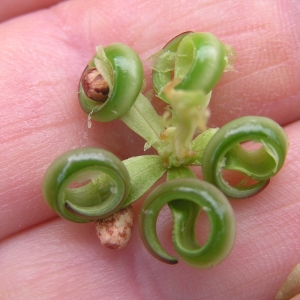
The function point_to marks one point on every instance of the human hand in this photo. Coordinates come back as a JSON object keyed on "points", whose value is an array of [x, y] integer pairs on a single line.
{"points": [[42, 57]]}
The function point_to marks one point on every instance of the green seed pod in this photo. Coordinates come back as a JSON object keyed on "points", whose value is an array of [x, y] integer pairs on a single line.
{"points": [[224, 151], [86, 184], [197, 61], [111, 82], [186, 197]]}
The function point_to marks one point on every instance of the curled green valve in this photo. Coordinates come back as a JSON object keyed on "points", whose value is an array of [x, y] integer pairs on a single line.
{"points": [[224, 151], [186, 198], [196, 59], [86, 184], [111, 82]]}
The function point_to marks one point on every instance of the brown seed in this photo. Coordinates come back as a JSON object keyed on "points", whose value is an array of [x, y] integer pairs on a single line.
{"points": [[114, 231], [94, 85]]}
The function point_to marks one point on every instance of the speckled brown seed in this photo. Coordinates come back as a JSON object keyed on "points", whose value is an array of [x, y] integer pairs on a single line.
{"points": [[114, 231], [94, 85]]}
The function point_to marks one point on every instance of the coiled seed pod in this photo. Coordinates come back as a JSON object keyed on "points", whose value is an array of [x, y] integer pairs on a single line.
{"points": [[111, 82], [225, 152], [186, 198], [86, 184]]}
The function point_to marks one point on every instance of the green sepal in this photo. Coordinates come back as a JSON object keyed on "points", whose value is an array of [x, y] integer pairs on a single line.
{"points": [[199, 144], [180, 172], [144, 171]]}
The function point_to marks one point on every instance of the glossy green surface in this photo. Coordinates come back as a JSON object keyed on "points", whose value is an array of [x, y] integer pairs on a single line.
{"points": [[186, 198], [86, 184], [200, 61], [225, 152], [127, 82]]}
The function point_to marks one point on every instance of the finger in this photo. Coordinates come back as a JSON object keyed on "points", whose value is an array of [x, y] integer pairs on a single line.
{"points": [[40, 114], [11, 9], [265, 251]]}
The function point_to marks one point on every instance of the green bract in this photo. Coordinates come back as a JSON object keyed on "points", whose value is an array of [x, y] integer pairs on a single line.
{"points": [[88, 184], [144, 171]]}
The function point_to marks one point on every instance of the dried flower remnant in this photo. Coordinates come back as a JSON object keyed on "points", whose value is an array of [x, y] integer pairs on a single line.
{"points": [[291, 286], [114, 231]]}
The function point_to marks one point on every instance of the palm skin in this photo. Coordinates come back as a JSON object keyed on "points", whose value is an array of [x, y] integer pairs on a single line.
{"points": [[42, 56]]}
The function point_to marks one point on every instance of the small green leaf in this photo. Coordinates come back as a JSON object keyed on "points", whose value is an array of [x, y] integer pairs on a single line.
{"points": [[199, 144], [143, 120], [180, 172], [144, 171]]}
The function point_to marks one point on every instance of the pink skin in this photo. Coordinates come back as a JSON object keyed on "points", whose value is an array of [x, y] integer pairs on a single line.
{"points": [[11, 9], [42, 57]]}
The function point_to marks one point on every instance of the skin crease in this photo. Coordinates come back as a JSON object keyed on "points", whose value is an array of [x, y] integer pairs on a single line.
{"points": [[11, 9], [42, 57]]}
